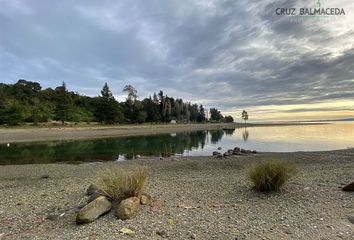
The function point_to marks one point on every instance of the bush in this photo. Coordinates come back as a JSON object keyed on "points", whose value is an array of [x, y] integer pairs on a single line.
{"points": [[118, 184], [270, 175]]}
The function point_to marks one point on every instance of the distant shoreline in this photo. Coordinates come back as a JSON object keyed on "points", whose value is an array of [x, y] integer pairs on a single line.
{"points": [[55, 133]]}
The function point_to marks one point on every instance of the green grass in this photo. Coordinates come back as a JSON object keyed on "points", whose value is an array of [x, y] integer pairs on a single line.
{"points": [[270, 175], [119, 184]]}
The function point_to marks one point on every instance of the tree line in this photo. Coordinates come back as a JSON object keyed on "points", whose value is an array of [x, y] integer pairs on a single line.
{"points": [[26, 101]]}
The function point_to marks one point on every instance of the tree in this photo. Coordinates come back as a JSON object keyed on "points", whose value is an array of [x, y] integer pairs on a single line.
{"points": [[133, 107], [229, 119], [244, 115], [64, 104], [215, 115], [108, 110], [201, 114]]}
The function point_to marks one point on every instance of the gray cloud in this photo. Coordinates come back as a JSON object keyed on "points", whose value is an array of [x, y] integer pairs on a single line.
{"points": [[226, 54]]}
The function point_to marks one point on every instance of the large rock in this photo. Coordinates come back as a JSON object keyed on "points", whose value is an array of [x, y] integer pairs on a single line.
{"points": [[127, 208], [93, 210], [92, 189], [145, 199], [94, 196], [215, 153], [349, 187]]}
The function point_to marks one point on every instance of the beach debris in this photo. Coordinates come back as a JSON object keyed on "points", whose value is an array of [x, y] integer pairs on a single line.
{"points": [[145, 199], [127, 231], [94, 210], [127, 208], [349, 187], [185, 206], [170, 222], [8, 145]]}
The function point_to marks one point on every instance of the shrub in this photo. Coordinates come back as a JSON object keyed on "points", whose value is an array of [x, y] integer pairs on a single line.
{"points": [[118, 184], [270, 175]]}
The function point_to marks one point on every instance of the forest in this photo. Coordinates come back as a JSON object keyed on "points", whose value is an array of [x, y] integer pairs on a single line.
{"points": [[26, 102]]}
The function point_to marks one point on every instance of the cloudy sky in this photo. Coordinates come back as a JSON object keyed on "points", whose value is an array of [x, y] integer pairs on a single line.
{"points": [[229, 54]]}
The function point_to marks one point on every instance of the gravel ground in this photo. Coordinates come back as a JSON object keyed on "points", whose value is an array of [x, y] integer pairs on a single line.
{"points": [[193, 198]]}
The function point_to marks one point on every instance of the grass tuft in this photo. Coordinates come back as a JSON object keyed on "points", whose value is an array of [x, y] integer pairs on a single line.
{"points": [[119, 184], [270, 175]]}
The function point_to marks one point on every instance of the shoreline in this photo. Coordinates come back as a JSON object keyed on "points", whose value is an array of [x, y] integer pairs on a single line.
{"points": [[41, 134], [219, 200]]}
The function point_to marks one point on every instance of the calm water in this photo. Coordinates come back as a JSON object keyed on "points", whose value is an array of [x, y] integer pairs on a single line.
{"points": [[338, 135]]}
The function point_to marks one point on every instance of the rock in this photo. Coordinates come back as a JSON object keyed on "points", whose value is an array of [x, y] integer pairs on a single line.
{"points": [[93, 196], [52, 217], [161, 158], [351, 219], [230, 151], [219, 148], [162, 233], [254, 151], [242, 150], [215, 153], [236, 153], [92, 189], [45, 176], [237, 149], [145, 199], [127, 208], [248, 151], [226, 154], [94, 210], [349, 187], [219, 156], [127, 231], [137, 156]]}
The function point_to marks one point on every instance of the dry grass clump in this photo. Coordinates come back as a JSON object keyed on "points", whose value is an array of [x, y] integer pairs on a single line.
{"points": [[270, 175], [119, 184]]}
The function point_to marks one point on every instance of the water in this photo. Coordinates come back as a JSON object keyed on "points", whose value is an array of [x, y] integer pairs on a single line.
{"points": [[338, 135]]}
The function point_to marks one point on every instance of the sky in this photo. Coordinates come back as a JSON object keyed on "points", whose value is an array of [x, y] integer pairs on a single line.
{"points": [[228, 54]]}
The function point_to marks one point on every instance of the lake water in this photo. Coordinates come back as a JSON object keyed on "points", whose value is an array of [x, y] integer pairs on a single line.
{"points": [[338, 135]]}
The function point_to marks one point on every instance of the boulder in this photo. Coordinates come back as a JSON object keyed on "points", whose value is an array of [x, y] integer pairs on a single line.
{"points": [[242, 150], [127, 208], [254, 151], [237, 149], [226, 154], [215, 153], [93, 196], [349, 187], [92, 189], [236, 153], [145, 199], [219, 156], [230, 151], [93, 210]]}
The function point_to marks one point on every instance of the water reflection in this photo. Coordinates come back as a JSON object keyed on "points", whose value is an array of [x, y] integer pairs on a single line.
{"points": [[268, 139], [164, 145], [245, 135]]}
